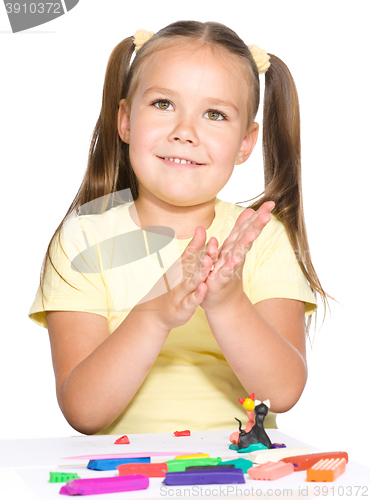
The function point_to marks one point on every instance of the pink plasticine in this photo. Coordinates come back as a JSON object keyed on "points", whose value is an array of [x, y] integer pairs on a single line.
{"points": [[270, 470], [100, 485], [234, 437]]}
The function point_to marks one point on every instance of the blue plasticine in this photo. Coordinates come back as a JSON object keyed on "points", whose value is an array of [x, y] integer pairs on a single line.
{"points": [[112, 463]]}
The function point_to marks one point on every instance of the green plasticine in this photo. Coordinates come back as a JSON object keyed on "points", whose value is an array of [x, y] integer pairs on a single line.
{"points": [[62, 477], [252, 447], [180, 465], [240, 463]]}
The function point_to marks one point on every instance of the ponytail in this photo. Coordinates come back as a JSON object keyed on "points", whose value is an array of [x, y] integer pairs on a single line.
{"points": [[282, 165], [108, 169]]}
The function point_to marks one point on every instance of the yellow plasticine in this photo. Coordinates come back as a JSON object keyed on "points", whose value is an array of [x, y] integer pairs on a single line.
{"points": [[199, 455]]}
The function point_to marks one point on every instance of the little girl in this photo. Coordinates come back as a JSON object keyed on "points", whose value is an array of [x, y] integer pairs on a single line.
{"points": [[164, 304]]}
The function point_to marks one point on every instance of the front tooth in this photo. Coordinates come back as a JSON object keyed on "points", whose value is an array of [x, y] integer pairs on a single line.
{"points": [[183, 162], [176, 160]]}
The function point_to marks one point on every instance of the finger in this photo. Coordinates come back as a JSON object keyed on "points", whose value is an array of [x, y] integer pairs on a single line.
{"points": [[194, 299], [266, 207], [212, 248], [244, 242], [231, 269], [196, 243]]}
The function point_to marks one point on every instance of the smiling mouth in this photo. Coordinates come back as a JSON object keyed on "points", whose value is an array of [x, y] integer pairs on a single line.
{"points": [[181, 161]]}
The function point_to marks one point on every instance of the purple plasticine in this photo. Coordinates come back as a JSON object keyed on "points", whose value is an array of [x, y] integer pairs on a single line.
{"points": [[105, 485], [207, 476]]}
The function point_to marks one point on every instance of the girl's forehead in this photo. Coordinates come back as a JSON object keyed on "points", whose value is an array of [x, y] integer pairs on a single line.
{"points": [[192, 64]]}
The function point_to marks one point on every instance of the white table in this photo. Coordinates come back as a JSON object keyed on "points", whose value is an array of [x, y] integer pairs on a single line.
{"points": [[25, 466]]}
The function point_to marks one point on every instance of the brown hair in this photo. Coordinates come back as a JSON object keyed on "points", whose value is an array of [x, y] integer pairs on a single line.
{"points": [[109, 169]]}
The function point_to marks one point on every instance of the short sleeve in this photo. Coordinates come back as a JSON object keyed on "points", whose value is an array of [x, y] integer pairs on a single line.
{"points": [[272, 270], [68, 287]]}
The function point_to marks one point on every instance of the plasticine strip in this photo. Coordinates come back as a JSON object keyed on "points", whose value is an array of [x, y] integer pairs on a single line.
{"points": [[111, 464], [142, 454], [149, 470], [270, 471], [226, 476], [305, 462], [211, 467], [276, 454], [198, 455], [105, 485], [327, 470], [180, 465]]}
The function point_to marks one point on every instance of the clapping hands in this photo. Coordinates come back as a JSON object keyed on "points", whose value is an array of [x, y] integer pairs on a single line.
{"points": [[224, 281]]}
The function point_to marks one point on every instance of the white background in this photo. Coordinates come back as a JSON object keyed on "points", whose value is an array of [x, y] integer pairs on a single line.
{"points": [[50, 96]]}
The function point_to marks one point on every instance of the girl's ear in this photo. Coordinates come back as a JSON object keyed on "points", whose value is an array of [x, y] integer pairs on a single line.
{"points": [[248, 144], [123, 122]]}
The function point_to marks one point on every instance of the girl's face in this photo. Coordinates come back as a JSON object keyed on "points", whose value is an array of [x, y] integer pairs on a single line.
{"points": [[187, 126]]}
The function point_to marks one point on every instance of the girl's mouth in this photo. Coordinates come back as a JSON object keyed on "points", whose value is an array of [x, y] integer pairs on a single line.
{"points": [[180, 161]]}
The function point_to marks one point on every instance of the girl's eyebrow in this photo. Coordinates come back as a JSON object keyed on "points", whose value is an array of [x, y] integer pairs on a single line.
{"points": [[220, 102], [212, 101], [160, 90]]}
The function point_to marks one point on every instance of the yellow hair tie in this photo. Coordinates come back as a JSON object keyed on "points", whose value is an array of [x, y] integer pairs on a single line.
{"points": [[261, 58], [142, 36]]}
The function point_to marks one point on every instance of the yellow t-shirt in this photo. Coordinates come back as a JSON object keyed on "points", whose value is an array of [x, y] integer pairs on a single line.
{"points": [[190, 384]]}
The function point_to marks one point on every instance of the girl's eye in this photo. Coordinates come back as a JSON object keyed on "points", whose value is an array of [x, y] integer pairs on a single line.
{"points": [[214, 115], [162, 104]]}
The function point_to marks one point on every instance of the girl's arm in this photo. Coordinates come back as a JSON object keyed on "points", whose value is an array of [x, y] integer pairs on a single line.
{"points": [[264, 344], [98, 373], [265, 347]]}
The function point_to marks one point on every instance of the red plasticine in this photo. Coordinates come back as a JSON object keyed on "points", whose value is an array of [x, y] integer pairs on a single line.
{"points": [[182, 433], [122, 440], [149, 470], [305, 462]]}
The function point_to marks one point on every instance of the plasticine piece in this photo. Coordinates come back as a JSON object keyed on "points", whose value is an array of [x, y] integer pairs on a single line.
{"points": [[327, 469], [186, 457], [122, 440], [112, 463], [278, 445], [149, 470], [270, 471], [239, 463], [304, 462], [263, 456], [226, 476], [257, 434], [99, 485], [180, 465], [249, 406], [62, 477], [252, 447], [182, 433], [210, 467]]}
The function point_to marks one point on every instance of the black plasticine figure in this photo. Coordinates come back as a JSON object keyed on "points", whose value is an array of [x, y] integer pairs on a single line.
{"points": [[257, 434]]}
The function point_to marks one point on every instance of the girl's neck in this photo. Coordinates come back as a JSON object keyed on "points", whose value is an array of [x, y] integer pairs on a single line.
{"points": [[183, 220]]}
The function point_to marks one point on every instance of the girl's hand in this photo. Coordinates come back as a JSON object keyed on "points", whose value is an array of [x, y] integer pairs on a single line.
{"points": [[225, 282], [178, 305]]}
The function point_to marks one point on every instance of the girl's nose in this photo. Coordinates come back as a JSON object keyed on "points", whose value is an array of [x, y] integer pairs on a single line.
{"points": [[184, 132]]}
